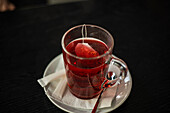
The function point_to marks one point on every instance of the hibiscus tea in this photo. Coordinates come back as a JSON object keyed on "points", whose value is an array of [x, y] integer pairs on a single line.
{"points": [[85, 72]]}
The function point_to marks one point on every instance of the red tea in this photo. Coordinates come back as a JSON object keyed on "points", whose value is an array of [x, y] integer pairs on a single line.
{"points": [[84, 75]]}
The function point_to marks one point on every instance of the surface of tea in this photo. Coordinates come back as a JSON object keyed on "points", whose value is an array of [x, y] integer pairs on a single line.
{"points": [[87, 47], [85, 50]]}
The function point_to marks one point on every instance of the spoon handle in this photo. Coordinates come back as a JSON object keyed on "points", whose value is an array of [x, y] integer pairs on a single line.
{"points": [[98, 100]]}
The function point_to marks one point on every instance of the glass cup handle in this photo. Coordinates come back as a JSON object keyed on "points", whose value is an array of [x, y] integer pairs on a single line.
{"points": [[111, 79]]}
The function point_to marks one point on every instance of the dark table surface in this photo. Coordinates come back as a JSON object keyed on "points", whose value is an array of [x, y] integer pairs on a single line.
{"points": [[30, 39]]}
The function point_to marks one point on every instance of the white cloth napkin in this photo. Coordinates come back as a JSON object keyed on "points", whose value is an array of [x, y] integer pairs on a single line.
{"points": [[58, 90]]}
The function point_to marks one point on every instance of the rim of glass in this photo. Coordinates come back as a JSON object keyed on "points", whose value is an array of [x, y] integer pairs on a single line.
{"points": [[83, 58]]}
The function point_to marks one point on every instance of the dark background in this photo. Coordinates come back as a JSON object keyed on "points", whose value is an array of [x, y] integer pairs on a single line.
{"points": [[30, 38]]}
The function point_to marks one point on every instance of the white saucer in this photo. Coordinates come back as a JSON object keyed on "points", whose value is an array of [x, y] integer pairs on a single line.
{"points": [[122, 93]]}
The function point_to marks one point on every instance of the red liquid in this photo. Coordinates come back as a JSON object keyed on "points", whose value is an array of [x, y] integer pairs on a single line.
{"points": [[85, 76]]}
